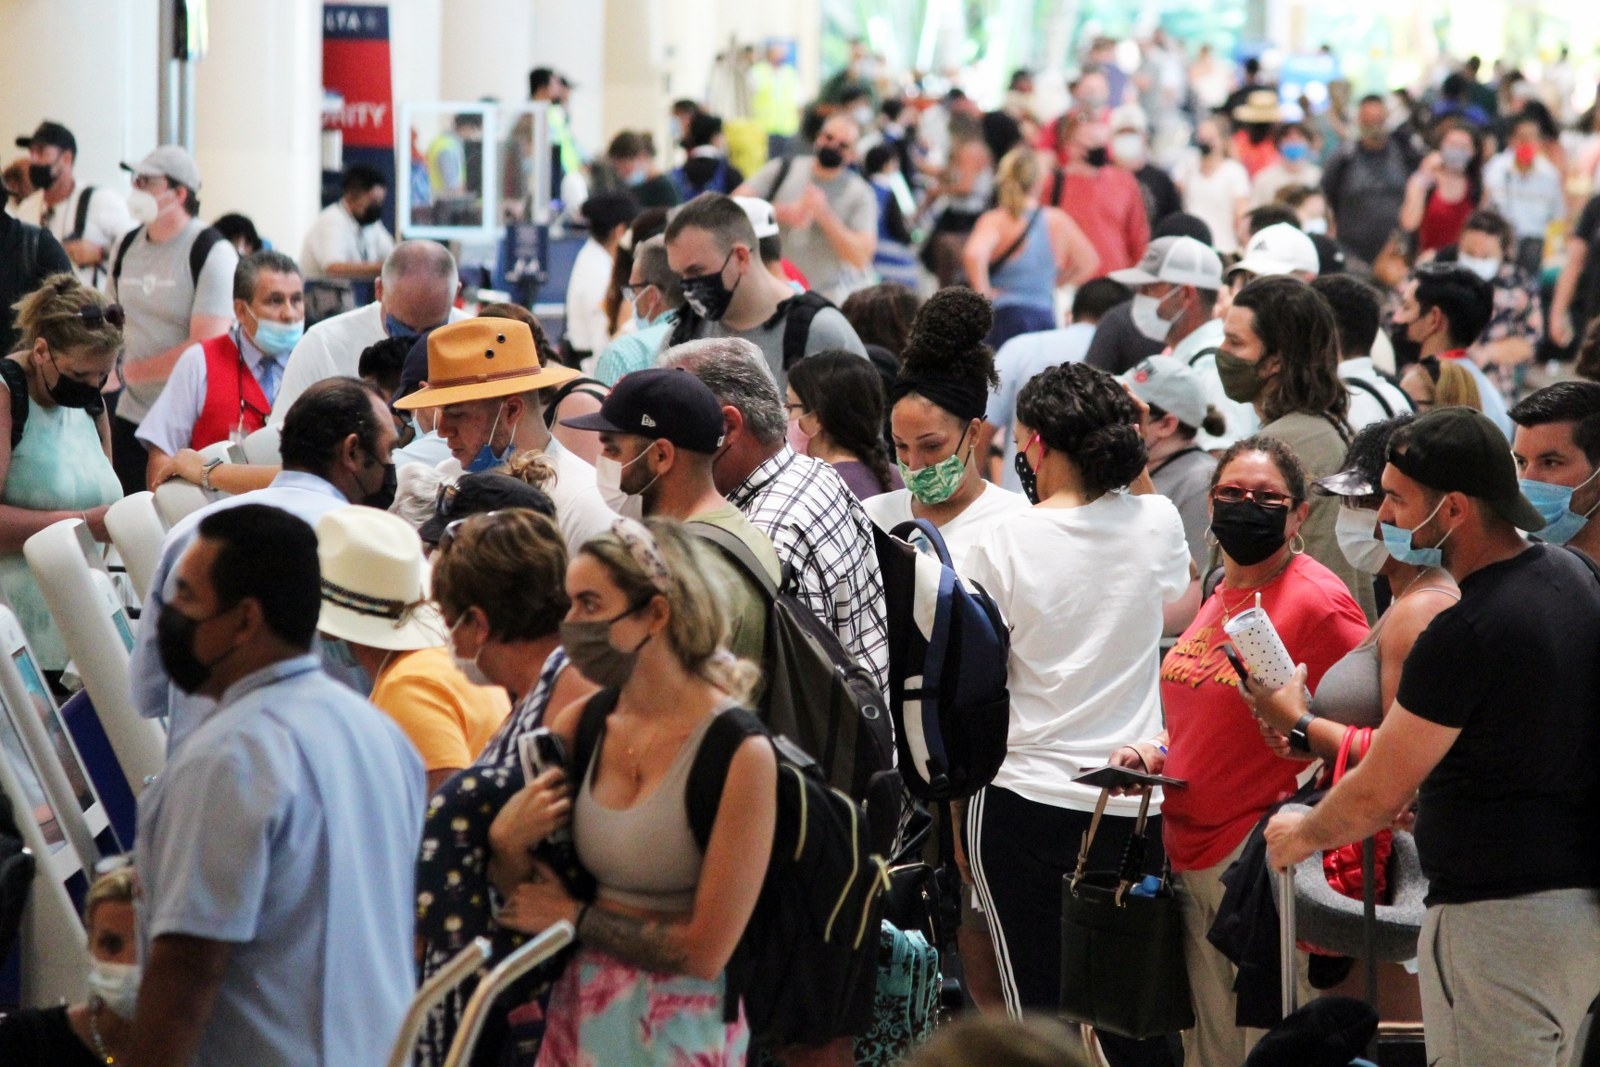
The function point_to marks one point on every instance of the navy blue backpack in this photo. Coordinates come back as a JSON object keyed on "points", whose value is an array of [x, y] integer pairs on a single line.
{"points": [[948, 649]]}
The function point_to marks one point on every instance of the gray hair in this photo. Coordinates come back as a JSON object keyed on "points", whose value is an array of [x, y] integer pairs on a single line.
{"points": [[736, 371], [416, 490], [429, 259], [244, 275], [651, 257]]}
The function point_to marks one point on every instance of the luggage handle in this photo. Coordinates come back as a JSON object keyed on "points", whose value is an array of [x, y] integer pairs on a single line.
{"points": [[510, 969], [458, 969], [1137, 838]]}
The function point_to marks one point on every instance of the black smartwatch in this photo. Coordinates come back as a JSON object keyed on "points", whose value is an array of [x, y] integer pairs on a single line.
{"points": [[1299, 738]]}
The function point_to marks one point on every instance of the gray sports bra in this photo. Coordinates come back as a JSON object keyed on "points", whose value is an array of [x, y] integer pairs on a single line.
{"points": [[1351, 691], [643, 856]]}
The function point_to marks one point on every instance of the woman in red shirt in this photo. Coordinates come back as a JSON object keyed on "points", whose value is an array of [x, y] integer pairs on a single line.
{"points": [[1258, 504], [1445, 189], [1104, 200]]}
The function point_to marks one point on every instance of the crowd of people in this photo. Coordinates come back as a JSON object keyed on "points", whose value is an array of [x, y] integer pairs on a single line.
{"points": [[1180, 350]]}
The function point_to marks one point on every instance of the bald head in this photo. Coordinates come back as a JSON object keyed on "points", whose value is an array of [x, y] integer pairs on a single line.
{"points": [[419, 284]]}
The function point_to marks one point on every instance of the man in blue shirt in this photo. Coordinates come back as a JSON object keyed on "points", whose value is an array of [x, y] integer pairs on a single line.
{"points": [[336, 446], [276, 852]]}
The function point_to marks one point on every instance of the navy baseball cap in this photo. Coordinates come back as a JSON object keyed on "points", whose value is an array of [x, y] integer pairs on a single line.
{"points": [[661, 403]]}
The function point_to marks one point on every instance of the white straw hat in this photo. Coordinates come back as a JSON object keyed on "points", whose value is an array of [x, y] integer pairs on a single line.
{"points": [[374, 581]]}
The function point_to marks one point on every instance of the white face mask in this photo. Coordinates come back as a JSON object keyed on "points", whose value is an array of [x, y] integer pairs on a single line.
{"points": [[467, 666], [115, 984], [608, 479], [1483, 268], [1317, 225], [1127, 148], [1354, 529], [143, 207], [1147, 317]]}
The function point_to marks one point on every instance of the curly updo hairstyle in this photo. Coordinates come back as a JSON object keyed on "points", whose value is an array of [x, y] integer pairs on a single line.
{"points": [[945, 360], [1081, 411]]}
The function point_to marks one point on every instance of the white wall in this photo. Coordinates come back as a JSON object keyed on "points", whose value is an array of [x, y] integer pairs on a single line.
{"points": [[88, 64], [258, 116]]}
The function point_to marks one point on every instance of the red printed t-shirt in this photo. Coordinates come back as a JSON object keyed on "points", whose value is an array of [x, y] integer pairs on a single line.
{"points": [[1214, 743]]}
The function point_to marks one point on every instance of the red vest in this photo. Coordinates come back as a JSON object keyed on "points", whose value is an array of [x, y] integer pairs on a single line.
{"points": [[234, 398]]}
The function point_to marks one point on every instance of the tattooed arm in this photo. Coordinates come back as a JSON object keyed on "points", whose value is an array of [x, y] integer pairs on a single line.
{"points": [[730, 880]]}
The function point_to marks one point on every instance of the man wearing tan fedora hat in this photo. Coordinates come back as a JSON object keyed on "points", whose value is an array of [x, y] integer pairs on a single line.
{"points": [[374, 599], [484, 378]]}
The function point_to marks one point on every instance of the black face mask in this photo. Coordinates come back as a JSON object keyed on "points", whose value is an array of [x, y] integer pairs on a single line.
{"points": [[707, 295], [175, 642], [1406, 351], [71, 393], [1248, 532], [383, 496], [40, 176], [829, 157], [371, 214], [1027, 476], [1097, 157]]}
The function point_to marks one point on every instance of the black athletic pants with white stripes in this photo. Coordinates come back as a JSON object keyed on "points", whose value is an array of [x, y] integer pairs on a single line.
{"points": [[1019, 851]]}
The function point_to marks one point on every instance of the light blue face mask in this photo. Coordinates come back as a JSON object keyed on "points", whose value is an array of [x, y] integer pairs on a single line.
{"points": [[486, 459], [1554, 502], [1398, 542], [278, 338], [340, 663]]}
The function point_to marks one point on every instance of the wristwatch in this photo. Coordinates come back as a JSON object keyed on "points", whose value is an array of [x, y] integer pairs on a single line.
{"points": [[1299, 738], [205, 474]]}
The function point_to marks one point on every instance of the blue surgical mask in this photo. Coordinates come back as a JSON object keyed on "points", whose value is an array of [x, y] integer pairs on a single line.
{"points": [[486, 459], [395, 328], [1296, 152], [277, 338], [1554, 502], [339, 662], [1398, 542]]}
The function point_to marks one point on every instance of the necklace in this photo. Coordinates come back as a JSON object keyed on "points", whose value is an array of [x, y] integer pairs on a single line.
{"points": [[1414, 579], [1252, 591], [94, 1034]]}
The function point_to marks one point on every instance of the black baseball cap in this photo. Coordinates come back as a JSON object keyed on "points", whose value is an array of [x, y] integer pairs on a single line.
{"points": [[50, 133], [1459, 450], [661, 403], [474, 494]]}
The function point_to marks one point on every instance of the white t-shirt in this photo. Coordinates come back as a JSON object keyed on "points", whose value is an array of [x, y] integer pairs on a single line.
{"points": [[1366, 409], [581, 512], [889, 510], [1082, 590], [103, 225], [331, 348], [586, 316], [1214, 197], [336, 237], [1276, 177]]}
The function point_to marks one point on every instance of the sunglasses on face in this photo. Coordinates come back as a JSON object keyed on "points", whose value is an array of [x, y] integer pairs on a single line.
{"points": [[1238, 494]]}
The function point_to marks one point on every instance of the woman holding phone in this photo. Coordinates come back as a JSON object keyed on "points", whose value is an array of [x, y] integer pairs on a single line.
{"points": [[1258, 506]]}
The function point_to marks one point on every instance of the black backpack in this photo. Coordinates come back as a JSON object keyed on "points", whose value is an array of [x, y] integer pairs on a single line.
{"points": [[204, 242], [796, 312], [816, 694], [948, 653], [805, 968]]}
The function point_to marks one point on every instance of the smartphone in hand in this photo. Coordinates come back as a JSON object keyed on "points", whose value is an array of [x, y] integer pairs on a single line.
{"points": [[1236, 661]]}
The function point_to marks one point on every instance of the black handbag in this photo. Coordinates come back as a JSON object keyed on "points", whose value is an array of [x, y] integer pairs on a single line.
{"points": [[1122, 967]]}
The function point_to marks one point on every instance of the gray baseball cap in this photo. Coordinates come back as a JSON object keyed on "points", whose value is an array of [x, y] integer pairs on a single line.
{"points": [[170, 161]]}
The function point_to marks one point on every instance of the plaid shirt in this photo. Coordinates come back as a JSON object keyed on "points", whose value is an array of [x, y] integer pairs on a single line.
{"points": [[818, 528]]}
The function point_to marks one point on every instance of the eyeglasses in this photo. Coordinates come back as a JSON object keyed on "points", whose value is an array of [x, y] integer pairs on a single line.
{"points": [[453, 529], [1238, 494], [94, 316], [796, 410]]}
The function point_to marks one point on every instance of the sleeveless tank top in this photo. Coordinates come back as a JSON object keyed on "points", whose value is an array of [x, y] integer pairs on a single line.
{"points": [[1351, 691], [1028, 278], [645, 855]]}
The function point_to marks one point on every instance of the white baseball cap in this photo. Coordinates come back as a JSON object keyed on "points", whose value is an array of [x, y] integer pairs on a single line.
{"points": [[1280, 249], [1168, 384], [1177, 261], [761, 215]]}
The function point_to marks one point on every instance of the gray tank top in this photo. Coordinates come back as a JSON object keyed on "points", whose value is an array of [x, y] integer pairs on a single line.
{"points": [[1351, 691], [643, 856]]}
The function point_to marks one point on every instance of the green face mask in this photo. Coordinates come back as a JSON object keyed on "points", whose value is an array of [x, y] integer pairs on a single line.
{"points": [[937, 482], [1239, 378]]}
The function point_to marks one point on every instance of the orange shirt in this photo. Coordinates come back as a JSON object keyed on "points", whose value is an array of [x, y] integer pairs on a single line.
{"points": [[449, 719]]}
